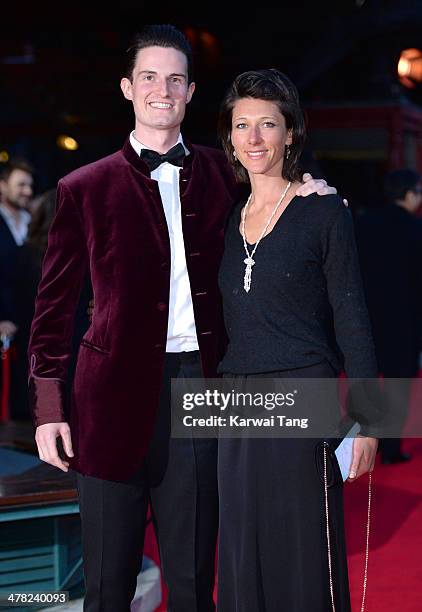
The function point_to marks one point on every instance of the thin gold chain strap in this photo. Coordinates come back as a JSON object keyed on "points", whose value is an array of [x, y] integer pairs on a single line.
{"points": [[368, 523], [327, 527]]}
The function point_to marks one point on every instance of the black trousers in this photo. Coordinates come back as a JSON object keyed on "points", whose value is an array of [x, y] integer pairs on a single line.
{"points": [[179, 480], [396, 393], [272, 554]]}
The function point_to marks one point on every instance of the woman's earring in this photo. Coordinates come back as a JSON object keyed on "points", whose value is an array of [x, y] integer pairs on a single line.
{"points": [[234, 155], [287, 151]]}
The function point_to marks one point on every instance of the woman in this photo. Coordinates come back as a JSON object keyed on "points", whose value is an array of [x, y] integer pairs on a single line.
{"points": [[291, 295]]}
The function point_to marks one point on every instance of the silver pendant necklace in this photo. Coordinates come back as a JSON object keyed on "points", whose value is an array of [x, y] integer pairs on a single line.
{"points": [[249, 261]]}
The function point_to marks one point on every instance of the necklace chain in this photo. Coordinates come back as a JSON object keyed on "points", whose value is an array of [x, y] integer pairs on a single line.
{"points": [[249, 261]]}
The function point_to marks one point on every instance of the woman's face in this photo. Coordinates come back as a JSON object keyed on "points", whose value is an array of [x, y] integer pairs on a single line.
{"points": [[259, 136]]}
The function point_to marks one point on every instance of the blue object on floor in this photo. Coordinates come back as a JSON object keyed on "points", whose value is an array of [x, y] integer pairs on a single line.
{"points": [[13, 462]]}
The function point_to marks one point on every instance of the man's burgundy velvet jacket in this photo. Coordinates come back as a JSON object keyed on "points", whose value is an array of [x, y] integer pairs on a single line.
{"points": [[110, 221]]}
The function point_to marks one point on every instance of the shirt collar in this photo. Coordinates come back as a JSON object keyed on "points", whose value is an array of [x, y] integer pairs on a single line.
{"points": [[24, 215], [138, 146]]}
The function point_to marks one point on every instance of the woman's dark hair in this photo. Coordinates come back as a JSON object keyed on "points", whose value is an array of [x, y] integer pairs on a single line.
{"points": [[41, 220], [273, 85], [163, 35]]}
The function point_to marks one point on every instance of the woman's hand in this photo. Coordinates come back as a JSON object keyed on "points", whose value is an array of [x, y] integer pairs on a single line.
{"points": [[363, 460]]}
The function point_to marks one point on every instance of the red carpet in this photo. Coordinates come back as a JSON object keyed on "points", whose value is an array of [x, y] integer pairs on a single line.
{"points": [[395, 557]]}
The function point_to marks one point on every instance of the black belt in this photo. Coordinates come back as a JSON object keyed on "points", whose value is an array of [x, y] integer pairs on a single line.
{"points": [[188, 357]]}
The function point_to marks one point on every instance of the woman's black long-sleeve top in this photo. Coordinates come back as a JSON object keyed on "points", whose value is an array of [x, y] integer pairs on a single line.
{"points": [[306, 301]]}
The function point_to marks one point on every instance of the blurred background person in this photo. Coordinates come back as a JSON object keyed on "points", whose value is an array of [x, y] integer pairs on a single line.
{"points": [[390, 247], [16, 190], [27, 275]]}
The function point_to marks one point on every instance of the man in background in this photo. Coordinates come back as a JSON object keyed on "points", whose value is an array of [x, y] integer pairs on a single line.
{"points": [[16, 189], [390, 247]]}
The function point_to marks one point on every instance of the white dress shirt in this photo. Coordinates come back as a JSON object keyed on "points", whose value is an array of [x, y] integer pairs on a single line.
{"points": [[181, 332], [17, 224]]}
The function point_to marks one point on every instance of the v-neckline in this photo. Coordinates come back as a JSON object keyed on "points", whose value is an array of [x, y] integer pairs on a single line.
{"points": [[274, 227]]}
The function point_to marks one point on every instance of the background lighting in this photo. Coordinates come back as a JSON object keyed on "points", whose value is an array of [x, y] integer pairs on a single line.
{"points": [[409, 67], [67, 142]]}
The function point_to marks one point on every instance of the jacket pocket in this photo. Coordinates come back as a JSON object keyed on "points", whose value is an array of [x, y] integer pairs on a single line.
{"points": [[94, 347]]}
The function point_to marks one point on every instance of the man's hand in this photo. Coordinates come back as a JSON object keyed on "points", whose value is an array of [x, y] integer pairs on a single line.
{"points": [[363, 460], [319, 186], [46, 439], [7, 328]]}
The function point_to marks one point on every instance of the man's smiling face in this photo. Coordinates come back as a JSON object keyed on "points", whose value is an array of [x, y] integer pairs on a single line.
{"points": [[159, 89]]}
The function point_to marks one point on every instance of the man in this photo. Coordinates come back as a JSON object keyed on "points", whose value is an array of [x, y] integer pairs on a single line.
{"points": [[150, 229], [16, 189], [390, 247]]}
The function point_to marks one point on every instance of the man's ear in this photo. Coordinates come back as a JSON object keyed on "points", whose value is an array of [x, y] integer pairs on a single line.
{"points": [[190, 91], [126, 87]]}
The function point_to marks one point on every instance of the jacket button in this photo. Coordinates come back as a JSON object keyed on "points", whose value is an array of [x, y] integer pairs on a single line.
{"points": [[165, 265], [162, 306]]}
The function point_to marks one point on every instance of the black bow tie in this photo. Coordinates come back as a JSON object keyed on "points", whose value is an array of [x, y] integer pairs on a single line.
{"points": [[174, 156]]}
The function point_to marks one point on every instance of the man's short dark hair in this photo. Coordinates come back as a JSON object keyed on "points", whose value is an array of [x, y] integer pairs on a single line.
{"points": [[15, 164], [398, 182], [272, 85], [162, 35]]}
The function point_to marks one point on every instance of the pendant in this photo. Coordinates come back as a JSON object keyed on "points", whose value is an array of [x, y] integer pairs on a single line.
{"points": [[248, 273]]}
